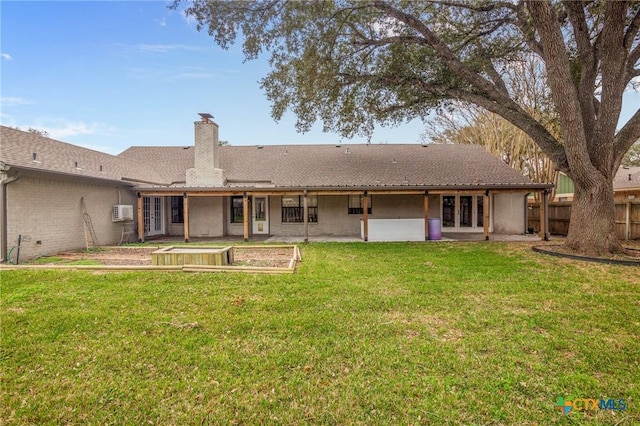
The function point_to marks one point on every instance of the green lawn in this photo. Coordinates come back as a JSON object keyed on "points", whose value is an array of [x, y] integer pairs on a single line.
{"points": [[428, 333]]}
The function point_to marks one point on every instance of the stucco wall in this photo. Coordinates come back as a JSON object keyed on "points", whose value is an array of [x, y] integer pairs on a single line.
{"points": [[48, 212], [508, 213]]}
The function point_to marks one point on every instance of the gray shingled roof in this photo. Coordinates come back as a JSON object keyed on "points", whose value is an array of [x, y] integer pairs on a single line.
{"points": [[280, 166], [350, 165], [18, 147], [171, 162]]}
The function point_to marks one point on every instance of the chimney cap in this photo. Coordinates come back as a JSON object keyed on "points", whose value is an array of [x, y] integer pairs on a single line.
{"points": [[206, 117]]}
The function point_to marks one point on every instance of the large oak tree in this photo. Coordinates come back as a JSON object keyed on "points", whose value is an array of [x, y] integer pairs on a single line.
{"points": [[352, 64]]}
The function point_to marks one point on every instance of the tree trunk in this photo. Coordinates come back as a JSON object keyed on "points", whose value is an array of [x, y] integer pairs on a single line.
{"points": [[592, 226]]}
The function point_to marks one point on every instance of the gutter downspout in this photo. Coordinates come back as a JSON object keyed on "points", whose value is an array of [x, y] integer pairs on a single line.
{"points": [[4, 203]]}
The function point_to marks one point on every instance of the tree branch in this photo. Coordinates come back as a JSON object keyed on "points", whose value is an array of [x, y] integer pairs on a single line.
{"points": [[565, 94], [634, 56], [588, 62], [528, 31], [632, 31], [627, 136], [495, 76], [443, 51], [524, 122], [391, 40]]}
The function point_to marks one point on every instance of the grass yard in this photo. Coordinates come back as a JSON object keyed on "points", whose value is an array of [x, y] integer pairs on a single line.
{"points": [[395, 333]]}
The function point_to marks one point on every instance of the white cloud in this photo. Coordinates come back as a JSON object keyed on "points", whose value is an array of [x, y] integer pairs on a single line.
{"points": [[129, 49], [162, 22], [6, 56], [184, 73], [165, 48], [8, 101], [67, 130]]}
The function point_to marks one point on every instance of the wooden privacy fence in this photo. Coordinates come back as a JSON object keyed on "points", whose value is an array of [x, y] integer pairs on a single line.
{"points": [[627, 218]]}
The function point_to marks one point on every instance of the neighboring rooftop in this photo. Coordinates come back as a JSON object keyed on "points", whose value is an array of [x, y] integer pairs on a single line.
{"points": [[627, 178]]}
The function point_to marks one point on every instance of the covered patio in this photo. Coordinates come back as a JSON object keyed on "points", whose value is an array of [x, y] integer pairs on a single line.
{"points": [[248, 193]]}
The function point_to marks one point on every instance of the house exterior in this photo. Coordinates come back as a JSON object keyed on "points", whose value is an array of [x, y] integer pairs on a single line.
{"points": [[48, 188], [375, 192], [626, 185]]}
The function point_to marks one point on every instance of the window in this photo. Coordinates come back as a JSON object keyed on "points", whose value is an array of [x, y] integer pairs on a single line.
{"points": [[293, 209], [177, 209], [237, 210], [355, 204]]}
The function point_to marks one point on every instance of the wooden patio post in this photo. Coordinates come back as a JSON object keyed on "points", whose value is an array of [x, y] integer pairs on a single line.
{"points": [[140, 219], [185, 216], [305, 212], [486, 215], [426, 215], [245, 215], [365, 216]]}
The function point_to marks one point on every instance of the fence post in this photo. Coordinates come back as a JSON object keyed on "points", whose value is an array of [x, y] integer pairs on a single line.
{"points": [[627, 221], [544, 216]]}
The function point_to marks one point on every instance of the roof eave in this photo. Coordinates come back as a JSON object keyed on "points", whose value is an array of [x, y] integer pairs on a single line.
{"points": [[74, 176], [372, 188]]}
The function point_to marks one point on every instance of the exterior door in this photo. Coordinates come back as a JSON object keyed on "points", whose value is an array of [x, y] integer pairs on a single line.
{"points": [[153, 218], [463, 213], [260, 213]]}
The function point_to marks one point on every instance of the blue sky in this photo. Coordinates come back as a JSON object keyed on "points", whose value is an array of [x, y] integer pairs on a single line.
{"points": [[109, 75]]}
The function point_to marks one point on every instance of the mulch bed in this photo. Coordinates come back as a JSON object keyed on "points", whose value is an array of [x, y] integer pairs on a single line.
{"points": [[631, 256], [278, 257]]}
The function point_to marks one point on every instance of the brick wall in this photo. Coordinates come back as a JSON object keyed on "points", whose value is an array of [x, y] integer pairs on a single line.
{"points": [[48, 213]]}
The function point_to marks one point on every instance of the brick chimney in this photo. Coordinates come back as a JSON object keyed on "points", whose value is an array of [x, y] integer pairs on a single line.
{"points": [[206, 171]]}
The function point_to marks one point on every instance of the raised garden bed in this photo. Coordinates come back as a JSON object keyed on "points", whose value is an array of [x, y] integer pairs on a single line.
{"points": [[265, 258]]}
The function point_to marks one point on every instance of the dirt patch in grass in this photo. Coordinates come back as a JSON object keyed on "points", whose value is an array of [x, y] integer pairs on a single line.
{"points": [[278, 257]]}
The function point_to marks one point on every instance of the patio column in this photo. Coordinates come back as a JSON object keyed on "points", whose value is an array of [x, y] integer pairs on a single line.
{"points": [[426, 215], [544, 216], [185, 216], [140, 219], [365, 216], [245, 215], [486, 215], [305, 212]]}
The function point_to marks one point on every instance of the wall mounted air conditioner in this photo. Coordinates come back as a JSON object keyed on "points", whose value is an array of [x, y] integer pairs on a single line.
{"points": [[122, 212]]}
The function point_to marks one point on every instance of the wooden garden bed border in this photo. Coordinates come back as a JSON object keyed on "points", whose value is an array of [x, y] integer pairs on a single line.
{"points": [[296, 256]]}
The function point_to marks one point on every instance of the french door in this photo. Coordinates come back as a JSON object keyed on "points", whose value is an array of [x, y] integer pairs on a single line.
{"points": [[463, 213], [153, 219]]}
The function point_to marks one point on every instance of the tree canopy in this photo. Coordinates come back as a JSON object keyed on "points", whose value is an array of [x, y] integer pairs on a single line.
{"points": [[468, 124], [351, 64]]}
